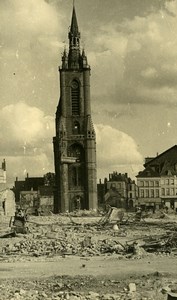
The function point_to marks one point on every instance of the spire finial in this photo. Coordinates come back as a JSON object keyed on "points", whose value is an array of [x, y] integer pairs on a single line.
{"points": [[74, 41], [74, 26]]}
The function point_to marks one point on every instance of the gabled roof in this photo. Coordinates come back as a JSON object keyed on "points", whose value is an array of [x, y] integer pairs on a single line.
{"points": [[164, 164], [166, 153], [148, 172]]}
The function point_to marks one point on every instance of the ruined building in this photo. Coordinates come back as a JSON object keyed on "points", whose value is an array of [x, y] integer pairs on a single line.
{"points": [[35, 194], [7, 199], [119, 191], [75, 140]]}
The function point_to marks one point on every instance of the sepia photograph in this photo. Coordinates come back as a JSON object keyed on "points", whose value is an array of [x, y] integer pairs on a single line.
{"points": [[88, 155]]}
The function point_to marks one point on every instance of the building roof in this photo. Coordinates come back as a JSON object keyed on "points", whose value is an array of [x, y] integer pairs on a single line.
{"points": [[115, 176], [164, 164], [167, 153], [148, 172]]}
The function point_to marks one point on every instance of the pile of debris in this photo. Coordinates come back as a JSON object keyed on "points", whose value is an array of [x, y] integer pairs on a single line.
{"points": [[88, 287], [57, 236], [166, 243], [53, 244], [62, 246]]}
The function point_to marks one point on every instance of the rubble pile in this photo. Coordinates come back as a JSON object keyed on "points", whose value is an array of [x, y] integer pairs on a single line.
{"points": [[52, 237], [150, 287], [48, 247], [166, 243]]}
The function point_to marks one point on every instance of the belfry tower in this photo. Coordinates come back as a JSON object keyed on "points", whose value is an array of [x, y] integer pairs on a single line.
{"points": [[75, 140]]}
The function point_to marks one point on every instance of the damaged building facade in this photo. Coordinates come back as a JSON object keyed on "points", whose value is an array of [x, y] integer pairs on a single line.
{"points": [[157, 183], [119, 190], [35, 194], [75, 140], [7, 198]]}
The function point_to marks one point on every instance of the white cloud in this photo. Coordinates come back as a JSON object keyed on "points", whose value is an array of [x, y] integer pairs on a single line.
{"points": [[26, 140], [25, 124], [30, 17], [31, 41], [136, 57], [116, 149]]}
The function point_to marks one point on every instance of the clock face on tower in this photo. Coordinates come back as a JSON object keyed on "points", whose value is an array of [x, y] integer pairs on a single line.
{"points": [[74, 85]]}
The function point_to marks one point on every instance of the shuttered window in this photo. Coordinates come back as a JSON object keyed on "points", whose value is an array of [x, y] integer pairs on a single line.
{"points": [[75, 95]]}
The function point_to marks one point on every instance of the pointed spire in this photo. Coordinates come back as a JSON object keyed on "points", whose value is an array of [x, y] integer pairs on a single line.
{"points": [[74, 34], [74, 42], [74, 25]]}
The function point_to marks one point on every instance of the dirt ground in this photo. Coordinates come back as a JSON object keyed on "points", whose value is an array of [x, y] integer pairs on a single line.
{"points": [[65, 257]]}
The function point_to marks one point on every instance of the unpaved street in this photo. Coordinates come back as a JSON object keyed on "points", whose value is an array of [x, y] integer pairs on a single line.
{"points": [[95, 266]]}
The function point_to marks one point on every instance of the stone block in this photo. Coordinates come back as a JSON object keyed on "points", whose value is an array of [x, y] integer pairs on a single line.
{"points": [[132, 287], [172, 296]]}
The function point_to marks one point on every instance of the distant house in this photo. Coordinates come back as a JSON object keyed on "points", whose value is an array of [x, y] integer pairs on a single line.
{"points": [[29, 201], [119, 191], [157, 183], [35, 194]]}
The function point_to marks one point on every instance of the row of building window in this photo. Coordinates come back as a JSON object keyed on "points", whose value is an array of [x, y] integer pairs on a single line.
{"points": [[156, 183], [149, 183], [149, 193], [168, 192], [146, 193], [168, 181]]}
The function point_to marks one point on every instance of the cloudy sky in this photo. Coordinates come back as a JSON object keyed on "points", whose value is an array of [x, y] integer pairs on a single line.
{"points": [[132, 49]]}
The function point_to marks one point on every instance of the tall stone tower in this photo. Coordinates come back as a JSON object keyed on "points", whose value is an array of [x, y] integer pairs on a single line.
{"points": [[75, 140]]}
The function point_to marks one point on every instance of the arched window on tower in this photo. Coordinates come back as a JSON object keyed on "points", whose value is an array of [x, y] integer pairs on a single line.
{"points": [[76, 150], [76, 176], [75, 96]]}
